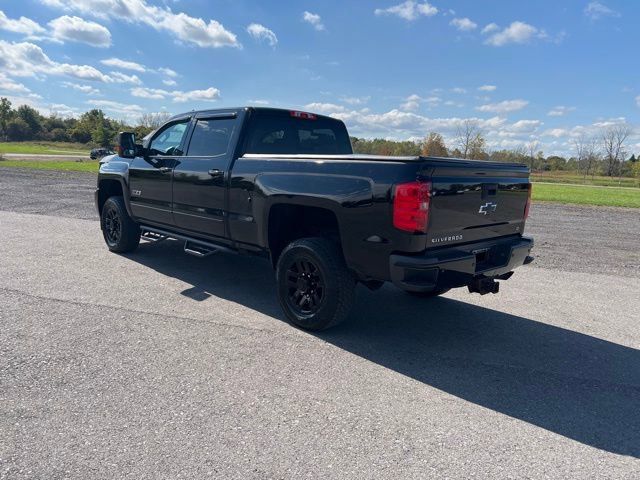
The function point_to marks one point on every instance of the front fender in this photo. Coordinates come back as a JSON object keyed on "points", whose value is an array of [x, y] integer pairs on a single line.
{"points": [[115, 168]]}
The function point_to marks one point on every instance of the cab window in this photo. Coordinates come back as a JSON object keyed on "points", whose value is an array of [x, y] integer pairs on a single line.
{"points": [[211, 137], [169, 139]]}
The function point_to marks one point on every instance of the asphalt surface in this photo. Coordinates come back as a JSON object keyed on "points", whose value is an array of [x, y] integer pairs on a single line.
{"points": [[161, 365]]}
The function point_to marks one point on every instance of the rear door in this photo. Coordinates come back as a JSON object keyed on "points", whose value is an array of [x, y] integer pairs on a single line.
{"points": [[200, 177], [150, 176]]}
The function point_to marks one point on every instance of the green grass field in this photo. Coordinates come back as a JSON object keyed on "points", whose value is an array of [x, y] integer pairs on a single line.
{"points": [[575, 178], [44, 148], [67, 166], [587, 195]]}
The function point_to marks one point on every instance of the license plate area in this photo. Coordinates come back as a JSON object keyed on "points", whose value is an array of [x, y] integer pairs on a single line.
{"points": [[484, 259]]}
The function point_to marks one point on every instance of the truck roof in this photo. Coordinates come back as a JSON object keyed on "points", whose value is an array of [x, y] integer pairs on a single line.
{"points": [[214, 111]]}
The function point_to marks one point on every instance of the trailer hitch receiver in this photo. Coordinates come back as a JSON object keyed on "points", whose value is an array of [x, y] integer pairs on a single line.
{"points": [[484, 286]]}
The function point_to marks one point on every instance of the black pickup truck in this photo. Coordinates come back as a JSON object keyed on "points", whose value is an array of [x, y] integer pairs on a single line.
{"points": [[286, 185]]}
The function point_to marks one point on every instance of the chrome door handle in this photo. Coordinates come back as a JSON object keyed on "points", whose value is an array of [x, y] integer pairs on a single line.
{"points": [[214, 172], [166, 169]]}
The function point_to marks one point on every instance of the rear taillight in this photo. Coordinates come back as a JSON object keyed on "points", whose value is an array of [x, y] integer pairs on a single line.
{"points": [[411, 206], [528, 205]]}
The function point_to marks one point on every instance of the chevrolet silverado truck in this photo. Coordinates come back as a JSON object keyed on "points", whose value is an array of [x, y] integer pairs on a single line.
{"points": [[287, 186]]}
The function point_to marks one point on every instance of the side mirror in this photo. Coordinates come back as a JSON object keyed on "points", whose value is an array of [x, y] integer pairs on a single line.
{"points": [[126, 145]]}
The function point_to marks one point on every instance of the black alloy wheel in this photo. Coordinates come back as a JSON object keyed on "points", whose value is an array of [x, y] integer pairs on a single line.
{"points": [[112, 226], [306, 286]]}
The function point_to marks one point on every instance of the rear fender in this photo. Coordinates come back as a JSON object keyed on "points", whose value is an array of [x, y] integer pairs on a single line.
{"points": [[338, 193]]}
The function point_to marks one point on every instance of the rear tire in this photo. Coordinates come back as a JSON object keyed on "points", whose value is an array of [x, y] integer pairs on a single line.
{"points": [[315, 288], [120, 232], [434, 293]]}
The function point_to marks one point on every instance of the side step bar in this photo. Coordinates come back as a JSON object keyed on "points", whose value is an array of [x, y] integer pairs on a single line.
{"points": [[153, 237], [192, 246], [198, 250]]}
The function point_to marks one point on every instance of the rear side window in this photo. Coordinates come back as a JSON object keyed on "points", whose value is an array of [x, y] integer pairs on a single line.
{"points": [[211, 137], [277, 133]]}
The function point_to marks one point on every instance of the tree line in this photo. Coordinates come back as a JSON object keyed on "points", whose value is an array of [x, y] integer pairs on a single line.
{"points": [[93, 128], [603, 153]]}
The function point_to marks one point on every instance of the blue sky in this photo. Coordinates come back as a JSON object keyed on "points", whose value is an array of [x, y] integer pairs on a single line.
{"points": [[543, 71]]}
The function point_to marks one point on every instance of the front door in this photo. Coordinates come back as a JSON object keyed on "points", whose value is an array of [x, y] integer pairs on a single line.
{"points": [[150, 176], [200, 177]]}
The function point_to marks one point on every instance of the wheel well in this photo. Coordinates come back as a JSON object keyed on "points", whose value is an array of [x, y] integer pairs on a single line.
{"points": [[106, 189], [291, 222]]}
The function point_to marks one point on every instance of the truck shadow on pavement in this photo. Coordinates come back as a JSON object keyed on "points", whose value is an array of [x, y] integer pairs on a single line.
{"points": [[572, 384]]}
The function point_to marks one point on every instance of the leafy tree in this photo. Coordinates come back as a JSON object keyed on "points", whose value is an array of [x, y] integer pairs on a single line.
{"points": [[31, 116], [5, 115], [635, 171], [18, 129], [434, 146]]}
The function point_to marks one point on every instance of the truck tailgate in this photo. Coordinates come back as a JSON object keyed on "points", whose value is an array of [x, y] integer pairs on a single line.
{"points": [[473, 201]]}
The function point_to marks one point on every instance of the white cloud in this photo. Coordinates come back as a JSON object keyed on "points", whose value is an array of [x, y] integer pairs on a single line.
{"points": [[464, 24], [25, 59], [356, 100], [597, 10], [168, 72], [525, 126], [409, 10], [517, 32], [178, 96], [62, 110], [128, 109], [414, 101], [8, 85], [124, 64], [210, 94], [260, 32], [560, 111], [505, 106], [458, 90], [182, 26], [313, 19], [21, 25], [326, 108], [491, 27], [76, 29], [88, 89], [556, 132], [638, 100], [396, 124], [150, 93], [169, 82], [487, 88], [119, 77]]}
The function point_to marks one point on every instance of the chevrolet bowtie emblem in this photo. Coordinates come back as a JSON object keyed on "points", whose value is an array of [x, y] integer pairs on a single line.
{"points": [[487, 207]]}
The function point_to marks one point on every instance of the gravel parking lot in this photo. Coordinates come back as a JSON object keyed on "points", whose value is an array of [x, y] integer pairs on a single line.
{"points": [[161, 365]]}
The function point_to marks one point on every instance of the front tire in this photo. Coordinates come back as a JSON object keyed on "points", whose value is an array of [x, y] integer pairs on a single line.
{"points": [[120, 232], [315, 288]]}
